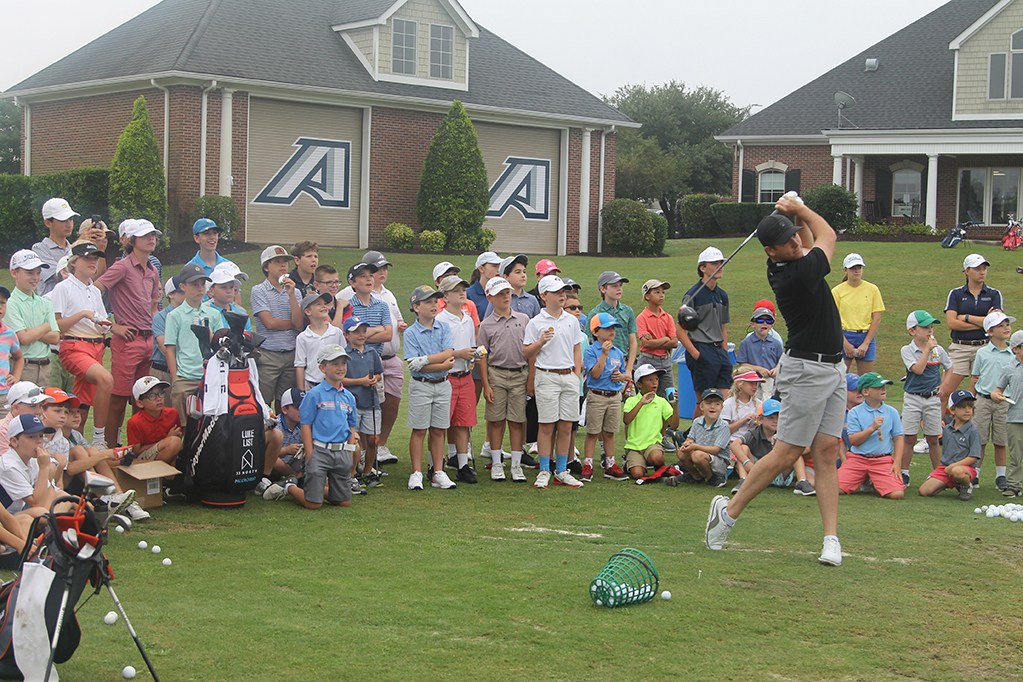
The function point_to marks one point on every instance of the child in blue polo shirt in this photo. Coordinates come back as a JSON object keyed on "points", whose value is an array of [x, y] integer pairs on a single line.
{"points": [[988, 415], [328, 416], [924, 360], [762, 349], [960, 454], [604, 365], [365, 373], [875, 437]]}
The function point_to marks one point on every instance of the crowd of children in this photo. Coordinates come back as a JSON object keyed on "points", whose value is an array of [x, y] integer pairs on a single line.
{"points": [[333, 364]]}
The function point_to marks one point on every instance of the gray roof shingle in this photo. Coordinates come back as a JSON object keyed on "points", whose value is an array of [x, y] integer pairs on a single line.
{"points": [[911, 90], [292, 43]]}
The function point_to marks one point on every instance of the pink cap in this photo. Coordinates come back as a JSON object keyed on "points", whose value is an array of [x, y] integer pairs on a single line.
{"points": [[748, 376], [546, 267]]}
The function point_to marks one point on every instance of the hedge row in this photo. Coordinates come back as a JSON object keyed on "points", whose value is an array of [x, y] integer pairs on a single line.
{"points": [[22, 199]]}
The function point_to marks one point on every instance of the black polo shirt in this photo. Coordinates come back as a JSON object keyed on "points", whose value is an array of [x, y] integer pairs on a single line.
{"points": [[962, 302], [806, 303]]}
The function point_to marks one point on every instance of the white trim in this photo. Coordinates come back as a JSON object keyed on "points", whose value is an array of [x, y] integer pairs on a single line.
{"points": [[771, 171], [166, 135], [989, 117], [376, 50], [354, 25], [562, 242], [600, 194], [772, 140], [584, 191], [458, 15], [429, 51], [248, 127], [428, 82], [226, 141], [462, 18], [772, 164], [958, 41], [358, 54], [367, 137], [391, 10], [415, 57], [931, 209], [319, 95], [955, 87], [202, 138], [26, 160], [907, 165], [858, 183]]}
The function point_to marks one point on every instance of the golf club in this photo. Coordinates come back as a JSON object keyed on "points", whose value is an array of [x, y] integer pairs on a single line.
{"points": [[688, 319]]}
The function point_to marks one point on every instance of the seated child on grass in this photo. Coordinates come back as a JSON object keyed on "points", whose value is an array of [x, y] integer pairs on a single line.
{"points": [[757, 442], [875, 437], [960, 452], [26, 469], [154, 431], [704, 454], [646, 414]]}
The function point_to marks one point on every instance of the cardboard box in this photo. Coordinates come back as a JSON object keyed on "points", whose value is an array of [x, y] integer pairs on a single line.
{"points": [[146, 479]]}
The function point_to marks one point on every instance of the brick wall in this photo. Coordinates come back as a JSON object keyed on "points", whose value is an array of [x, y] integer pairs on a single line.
{"points": [[239, 155], [814, 162], [575, 146]]}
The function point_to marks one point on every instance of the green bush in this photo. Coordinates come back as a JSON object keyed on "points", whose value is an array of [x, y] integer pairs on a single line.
{"points": [[22, 199], [473, 243], [835, 204], [629, 229], [454, 194], [861, 226], [17, 226], [695, 216], [221, 210], [136, 174], [432, 240], [739, 218], [659, 224], [399, 237]]}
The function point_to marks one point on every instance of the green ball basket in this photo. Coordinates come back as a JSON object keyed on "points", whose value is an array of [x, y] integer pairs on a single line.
{"points": [[629, 578]]}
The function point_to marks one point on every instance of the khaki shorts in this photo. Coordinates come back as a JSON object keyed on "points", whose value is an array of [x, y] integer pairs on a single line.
{"points": [[557, 397], [962, 358], [180, 390], [509, 389], [603, 413], [635, 458], [989, 418]]}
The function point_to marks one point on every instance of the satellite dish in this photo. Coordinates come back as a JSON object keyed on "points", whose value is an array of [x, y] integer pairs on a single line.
{"points": [[843, 100]]}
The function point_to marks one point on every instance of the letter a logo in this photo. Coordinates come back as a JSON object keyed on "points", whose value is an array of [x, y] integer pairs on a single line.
{"points": [[524, 185], [320, 168]]}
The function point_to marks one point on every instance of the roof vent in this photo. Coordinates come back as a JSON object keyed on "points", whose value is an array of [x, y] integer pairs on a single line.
{"points": [[871, 65]]}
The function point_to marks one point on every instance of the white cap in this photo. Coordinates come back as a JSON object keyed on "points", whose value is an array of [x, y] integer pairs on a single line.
{"points": [[440, 268], [26, 259], [57, 208], [711, 254], [646, 370], [219, 276], [122, 229], [233, 270], [140, 228], [28, 393], [995, 318], [145, 385], [171, 286], [62, 263], [552, 283], [488, 257], [852, 260], [271, 252], [1015, 340], [974, 260], [496, 285]]}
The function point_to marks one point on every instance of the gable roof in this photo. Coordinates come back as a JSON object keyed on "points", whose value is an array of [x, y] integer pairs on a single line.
{"points": [[258, 41], [912, 88]]}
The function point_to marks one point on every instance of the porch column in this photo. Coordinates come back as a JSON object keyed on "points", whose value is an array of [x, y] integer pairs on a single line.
{"points": [[931, 215], [836, 174], [858, 183]]}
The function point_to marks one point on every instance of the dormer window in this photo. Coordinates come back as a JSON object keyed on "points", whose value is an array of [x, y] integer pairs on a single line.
{"points": [[403, 48], [442, 50], [1006, 69]]}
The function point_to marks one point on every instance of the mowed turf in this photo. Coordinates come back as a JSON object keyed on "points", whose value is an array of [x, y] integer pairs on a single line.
{"points": [[490, 582]]}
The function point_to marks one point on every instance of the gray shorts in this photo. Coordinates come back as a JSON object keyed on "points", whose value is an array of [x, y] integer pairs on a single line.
{"points": [[719, 466], [812, 399], [916, 409], [369, 421], [989, 418], [328, 467], [660, 362], [429, 405]]}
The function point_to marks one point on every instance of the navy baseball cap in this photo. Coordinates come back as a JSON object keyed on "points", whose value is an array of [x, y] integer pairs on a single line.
{"points": [[27, 424], [293, 396], [713, 393], [959, 396], [353, 322]]}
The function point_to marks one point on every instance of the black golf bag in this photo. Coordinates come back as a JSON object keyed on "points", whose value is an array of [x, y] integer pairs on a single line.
{"points": [[224, 452], [954, 236]]}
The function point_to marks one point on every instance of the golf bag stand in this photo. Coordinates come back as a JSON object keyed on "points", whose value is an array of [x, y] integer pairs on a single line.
{"points": [[224, 452]]}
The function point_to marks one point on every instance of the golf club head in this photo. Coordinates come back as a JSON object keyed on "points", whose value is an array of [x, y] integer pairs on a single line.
{"points": [[99, 485], [688, 319], [118, 520]]}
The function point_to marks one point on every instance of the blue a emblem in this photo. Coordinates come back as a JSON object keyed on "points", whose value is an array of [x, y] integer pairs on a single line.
{"points": [[524, 185], [320, 168]]}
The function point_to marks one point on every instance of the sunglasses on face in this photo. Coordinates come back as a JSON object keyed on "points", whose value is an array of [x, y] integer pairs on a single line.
{"points": [[573, 307], [332, 283], [764, 320]]}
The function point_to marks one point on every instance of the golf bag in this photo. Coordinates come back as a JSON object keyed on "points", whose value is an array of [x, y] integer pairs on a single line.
{"points": [[225, 440], [1013, 237], [954, 236]]}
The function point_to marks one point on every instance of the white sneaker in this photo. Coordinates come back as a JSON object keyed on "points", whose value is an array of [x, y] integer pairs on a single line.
{"points": [[485, 453], [532, 449], [415, 481], [137, 513], [497, 472], [517, 475], [921, 447], [542, 479], [717, 529], [441, 480], [384, 455], [566, 478], [831, 555], [263, 484], [118, 502]]}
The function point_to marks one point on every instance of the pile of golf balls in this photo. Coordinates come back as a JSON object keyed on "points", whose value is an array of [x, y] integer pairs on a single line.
{"points": [[1012, 512], [620, 595]]}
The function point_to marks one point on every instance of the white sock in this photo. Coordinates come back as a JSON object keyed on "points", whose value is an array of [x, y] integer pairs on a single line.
{"points": [[905, 472], [463, 459], [516, 458], [835, 537], [451, 450], [496, 457], [729, 521], [978, 473], [999, 471], [99, 435], [485, 448]]}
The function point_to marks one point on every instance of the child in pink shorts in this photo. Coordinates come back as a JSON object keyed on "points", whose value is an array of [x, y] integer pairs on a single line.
{"points": [[463, 389], [960, 452], [875, 438]]}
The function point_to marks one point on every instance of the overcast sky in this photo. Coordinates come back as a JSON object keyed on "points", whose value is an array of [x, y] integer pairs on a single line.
{"points": [[751, 50]]}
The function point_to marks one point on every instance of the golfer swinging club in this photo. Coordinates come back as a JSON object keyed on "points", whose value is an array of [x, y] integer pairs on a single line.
{"points": [[811, 375]]}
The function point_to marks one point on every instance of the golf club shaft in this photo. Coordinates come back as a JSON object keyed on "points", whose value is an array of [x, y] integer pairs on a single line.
{"points": [[131, 631], [723, 264], [60, 624]]}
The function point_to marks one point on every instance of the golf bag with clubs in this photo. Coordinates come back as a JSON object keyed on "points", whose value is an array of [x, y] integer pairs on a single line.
{"points": [[1013, 237], [38, 625], [225, 441]]}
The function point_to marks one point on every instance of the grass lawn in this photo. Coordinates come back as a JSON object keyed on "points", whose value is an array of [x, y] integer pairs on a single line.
{"points": [[490, 582]]}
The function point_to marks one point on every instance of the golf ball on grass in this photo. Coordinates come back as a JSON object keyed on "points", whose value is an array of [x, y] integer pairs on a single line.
{"points": [[166, 562], [118, 529], [977, 510], [143, 544], [666, 596], [128, 672], [156, 549], [110, 618]]}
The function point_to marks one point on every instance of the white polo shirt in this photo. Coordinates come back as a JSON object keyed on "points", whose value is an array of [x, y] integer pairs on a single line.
{"points": [[18, 479], [559, 352], [392, 347], [463, 335], [72, 296]]}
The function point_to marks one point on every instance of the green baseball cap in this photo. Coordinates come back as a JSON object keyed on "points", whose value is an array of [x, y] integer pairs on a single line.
{"points": [[920, 318], [872, 380]]}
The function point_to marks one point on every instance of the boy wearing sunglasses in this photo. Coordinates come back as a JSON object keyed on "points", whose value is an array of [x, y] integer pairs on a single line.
{"points": [[762, 350], [154, 431]]}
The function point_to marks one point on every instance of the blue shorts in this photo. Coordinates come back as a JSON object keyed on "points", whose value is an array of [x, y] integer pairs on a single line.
{"points": [[856, 338], [712, 370]]}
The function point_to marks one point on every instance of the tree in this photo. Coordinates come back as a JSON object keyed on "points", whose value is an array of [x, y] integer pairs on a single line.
{"points": [[10, 138], [136, 175], [681, 124], [454, 194]]}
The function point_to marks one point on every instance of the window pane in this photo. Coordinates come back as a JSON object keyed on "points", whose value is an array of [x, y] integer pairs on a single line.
{"points": [[1017, 40], [1016, 84], [441, 50], [1004, 194], [996, 77], [971, 194], [905, 191], [403, 52], [772, 186]]}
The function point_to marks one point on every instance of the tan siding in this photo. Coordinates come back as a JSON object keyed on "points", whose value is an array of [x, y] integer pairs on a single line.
{"points": [[363, 39], [514, 232], [274, 126], [425, 13], [971, 96]]}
